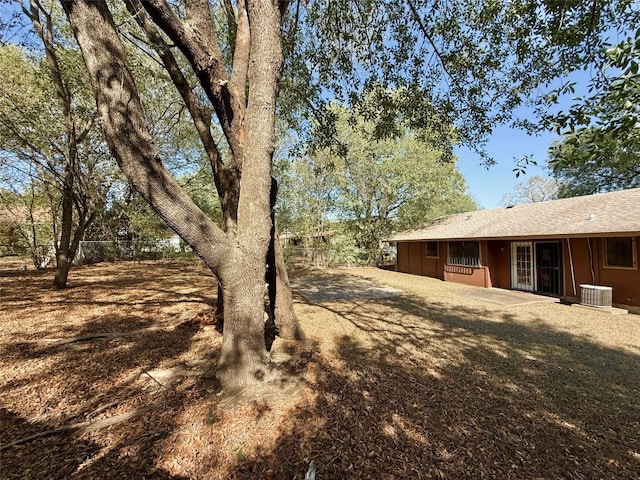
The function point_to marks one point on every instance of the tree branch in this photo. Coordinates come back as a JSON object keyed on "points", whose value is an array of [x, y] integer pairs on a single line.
{"points": [[46, 35], [238, 80], [223, 176], [125, 129], [196, 39], [416, 17]]}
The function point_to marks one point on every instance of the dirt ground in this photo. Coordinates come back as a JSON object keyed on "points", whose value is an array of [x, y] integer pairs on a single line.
{"points": [[112, 379]]}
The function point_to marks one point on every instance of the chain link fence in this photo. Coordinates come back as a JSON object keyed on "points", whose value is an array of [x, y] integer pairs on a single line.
{"points": [[20, 255], [90, 252], [116, 251]]}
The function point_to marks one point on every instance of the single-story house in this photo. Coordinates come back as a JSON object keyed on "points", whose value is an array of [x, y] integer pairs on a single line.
{"points": [[550, 247]]}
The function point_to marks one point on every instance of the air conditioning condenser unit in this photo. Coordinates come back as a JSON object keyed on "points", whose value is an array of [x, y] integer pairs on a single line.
{"points": [[596, 296]]}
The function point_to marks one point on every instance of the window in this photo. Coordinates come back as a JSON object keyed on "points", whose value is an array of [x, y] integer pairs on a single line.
{"points": [[620, 252], [432, 249], [464, 253]]}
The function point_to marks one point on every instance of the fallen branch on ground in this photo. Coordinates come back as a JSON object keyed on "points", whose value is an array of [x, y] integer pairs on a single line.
{"points": [[83, 427]]}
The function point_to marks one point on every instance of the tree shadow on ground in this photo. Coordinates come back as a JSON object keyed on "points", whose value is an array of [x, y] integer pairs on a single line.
{"points": [[64, 455], [156, 368], [408, 389], [136, 295], [83, 286], [91, 382], [427, 390]]}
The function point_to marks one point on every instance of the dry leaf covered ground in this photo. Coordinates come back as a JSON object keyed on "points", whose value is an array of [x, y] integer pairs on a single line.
{"points": [[112, 378]]}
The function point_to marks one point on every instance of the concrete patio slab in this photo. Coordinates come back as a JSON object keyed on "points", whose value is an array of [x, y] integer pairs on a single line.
{"points": [[336, 288], [609, 310], [508, 297]]}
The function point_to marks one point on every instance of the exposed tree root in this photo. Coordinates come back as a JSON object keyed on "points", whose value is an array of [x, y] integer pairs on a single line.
{"points": [[167, 376]]}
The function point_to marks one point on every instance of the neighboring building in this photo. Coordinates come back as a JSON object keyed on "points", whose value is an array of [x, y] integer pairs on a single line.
{"points": [[550, 247]]}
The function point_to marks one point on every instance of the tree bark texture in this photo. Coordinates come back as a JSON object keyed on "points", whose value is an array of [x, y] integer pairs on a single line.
{"points": [[125, 130], [285, 317], [254, 221], [238, 263], [226, 177], [244, 359]]}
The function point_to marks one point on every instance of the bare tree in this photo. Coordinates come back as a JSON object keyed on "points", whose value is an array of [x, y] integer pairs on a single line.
{"points": [[536, 189]]}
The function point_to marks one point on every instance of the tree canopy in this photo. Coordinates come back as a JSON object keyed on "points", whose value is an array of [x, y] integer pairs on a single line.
{"points": [[372, 186], [599, 149], [464, 63]]}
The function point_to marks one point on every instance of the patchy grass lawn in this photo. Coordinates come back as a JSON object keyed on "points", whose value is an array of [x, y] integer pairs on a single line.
{"points": [[111, 378]]}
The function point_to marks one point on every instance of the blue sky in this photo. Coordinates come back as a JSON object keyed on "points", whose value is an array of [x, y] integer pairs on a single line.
{"points": [[488, 185], [507, 144]]}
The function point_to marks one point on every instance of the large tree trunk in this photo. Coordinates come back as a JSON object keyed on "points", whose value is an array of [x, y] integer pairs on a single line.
{"points": [[125, 130], [285, 317], [226, 177], [239, 263], [254, 220], [244, 359]]}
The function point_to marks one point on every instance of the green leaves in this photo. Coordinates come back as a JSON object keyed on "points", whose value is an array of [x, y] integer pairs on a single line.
{"points": [[596, 159], [371, 186], [465, 63], [614, 101], [600, 145]]}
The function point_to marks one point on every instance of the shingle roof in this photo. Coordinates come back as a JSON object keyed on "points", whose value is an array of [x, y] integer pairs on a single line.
{"points": [[594, 215]]}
